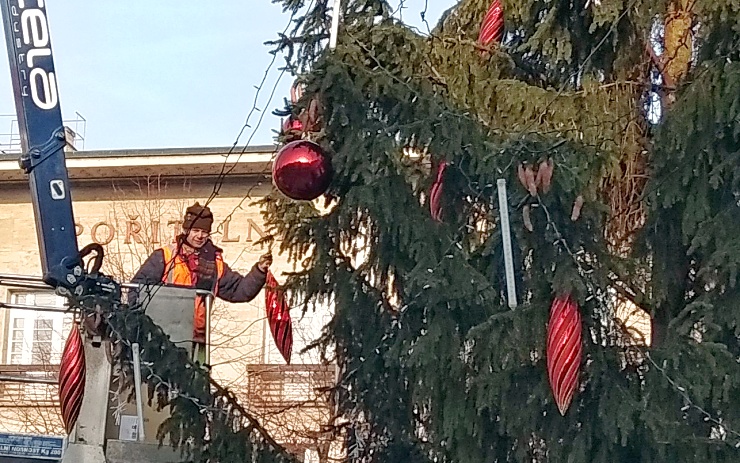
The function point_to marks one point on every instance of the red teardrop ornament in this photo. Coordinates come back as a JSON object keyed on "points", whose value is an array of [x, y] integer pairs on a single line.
{"points": [[564, 350], [492, 28], [278, 316], [435, 193], [72, 378]]}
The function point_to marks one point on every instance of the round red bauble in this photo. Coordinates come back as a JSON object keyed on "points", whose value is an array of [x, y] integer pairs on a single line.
{"points": [[302, 170], [292, 129], [292, 124]]}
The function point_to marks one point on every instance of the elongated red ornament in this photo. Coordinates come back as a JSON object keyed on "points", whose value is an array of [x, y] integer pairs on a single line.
{"points": [[278, 317], [72, 378], [492, 27], [296, 92], [435, 194], [564, 350]]}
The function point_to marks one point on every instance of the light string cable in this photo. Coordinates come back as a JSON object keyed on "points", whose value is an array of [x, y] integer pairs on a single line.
{"points": [[224, 170], [152, 288], [267, 169], [229, 407], [519, 148], [412, 300], [446, 254]]}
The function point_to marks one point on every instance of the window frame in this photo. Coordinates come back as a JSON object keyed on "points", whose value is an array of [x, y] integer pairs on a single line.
{"points": [[60, 324]]}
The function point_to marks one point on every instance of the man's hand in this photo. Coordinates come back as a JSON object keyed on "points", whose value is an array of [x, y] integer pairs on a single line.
{"points": [[265, 261]]}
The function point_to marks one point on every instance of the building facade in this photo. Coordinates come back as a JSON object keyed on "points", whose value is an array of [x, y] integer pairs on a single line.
{"points": [[132, 203]]}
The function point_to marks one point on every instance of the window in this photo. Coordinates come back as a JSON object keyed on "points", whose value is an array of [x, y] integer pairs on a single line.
{"points": [[311, 456], [34, 336]]}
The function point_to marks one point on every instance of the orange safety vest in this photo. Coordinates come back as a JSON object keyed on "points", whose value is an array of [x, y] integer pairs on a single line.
{"points": [[178, 273]]}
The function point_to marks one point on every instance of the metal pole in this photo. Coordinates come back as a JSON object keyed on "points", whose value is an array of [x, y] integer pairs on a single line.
{"points": [[8, 276], [15, 284], [17, 379], [503, 206], [39, 308], [335, 24], [137, 389]]}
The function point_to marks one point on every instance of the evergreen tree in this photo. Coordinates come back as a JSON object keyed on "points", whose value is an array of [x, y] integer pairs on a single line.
{"points": [[435, 365]]}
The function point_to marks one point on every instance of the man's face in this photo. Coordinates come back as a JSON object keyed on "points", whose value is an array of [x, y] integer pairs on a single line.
{"points": [[197, 237]]}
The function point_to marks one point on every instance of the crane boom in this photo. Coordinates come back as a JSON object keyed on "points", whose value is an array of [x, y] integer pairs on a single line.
{"points": [[42, 138]]}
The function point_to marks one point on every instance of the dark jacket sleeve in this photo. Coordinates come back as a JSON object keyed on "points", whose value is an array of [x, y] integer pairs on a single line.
{"points": [[150, 273], [152, 270], [233, 287]]}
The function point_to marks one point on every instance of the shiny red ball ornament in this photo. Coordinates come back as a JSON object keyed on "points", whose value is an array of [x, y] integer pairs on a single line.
{"points": [[292, 129], [564, 350], [72, 378], [302, 170]]}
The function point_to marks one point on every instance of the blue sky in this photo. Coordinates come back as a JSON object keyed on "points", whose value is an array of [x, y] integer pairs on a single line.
{"points": [[169, 74]]}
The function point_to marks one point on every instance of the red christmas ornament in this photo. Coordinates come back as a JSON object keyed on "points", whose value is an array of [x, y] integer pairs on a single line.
{"points": [[292, 128], [564, 350], [493, 25], [302, 170], [278, 316], [311, 117], [72, 378], [296, 92], [435, 194]]}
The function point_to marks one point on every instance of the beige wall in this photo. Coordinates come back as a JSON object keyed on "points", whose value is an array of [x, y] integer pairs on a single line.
{"points": [[131, 209], [126, 207], [127, 211]]}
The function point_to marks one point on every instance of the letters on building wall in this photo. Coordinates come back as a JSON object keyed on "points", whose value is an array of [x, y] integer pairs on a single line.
{"points": [[133, 231]]}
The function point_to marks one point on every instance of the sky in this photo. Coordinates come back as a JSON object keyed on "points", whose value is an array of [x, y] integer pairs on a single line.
{"points": [[170, 74]]}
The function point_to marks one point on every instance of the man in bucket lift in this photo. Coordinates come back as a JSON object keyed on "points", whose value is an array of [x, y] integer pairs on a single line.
{"points": [[193, 261]]}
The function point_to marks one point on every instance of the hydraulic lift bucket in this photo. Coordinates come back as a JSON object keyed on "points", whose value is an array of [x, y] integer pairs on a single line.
{"points": [[115, 427], [172, 309]]}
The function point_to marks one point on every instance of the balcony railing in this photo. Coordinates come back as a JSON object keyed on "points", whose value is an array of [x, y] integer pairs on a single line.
{"points": [[269, 386], [280, 386], [24, 386]]}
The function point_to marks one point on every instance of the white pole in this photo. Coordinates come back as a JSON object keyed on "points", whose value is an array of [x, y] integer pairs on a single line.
{"points": [[137, 389], [503, 206], [209, 305], [334, 24]]}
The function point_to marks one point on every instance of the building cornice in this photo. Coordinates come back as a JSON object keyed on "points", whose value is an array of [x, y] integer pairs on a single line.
{"points": [[172, 162]]}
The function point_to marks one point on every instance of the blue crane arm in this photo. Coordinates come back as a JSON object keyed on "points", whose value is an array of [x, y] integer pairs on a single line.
{"points": [[42, 138]]}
